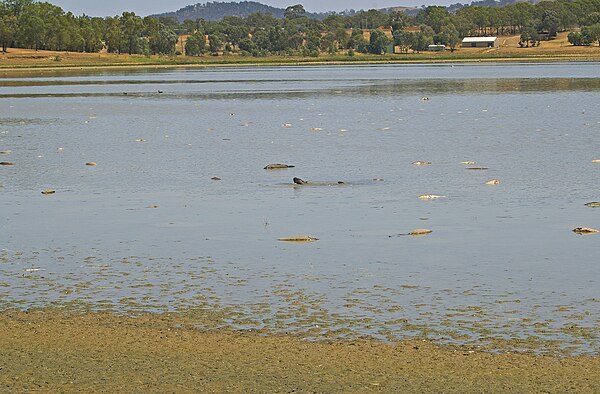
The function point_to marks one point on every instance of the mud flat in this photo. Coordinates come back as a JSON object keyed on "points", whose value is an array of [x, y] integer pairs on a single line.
{"points": [[63, 351]]}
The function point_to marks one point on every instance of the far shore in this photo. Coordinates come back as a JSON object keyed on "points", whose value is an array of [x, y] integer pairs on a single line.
{"points": [[26, 61]]}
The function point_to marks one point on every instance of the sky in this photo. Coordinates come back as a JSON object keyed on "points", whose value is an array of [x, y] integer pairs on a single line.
{"points": [[147, 7]]}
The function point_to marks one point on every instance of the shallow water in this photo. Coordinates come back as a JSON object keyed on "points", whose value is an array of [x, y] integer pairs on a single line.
{"points": [[501, 262]]}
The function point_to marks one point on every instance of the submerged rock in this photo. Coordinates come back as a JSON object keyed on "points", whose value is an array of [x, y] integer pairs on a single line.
{"points": [[593, 204], [585, 230], [298, 238], [277, 166]]}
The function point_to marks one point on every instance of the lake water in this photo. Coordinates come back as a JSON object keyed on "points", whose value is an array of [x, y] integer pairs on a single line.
{"points": [[147, 229]]}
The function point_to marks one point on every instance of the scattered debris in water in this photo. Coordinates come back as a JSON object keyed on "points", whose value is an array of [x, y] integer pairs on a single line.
{"points": [[33, 269], [585, 230], [430, 196], [593, 204], [421, 163], [277, 166], [298, 238], [48, 191], [493, 182]]}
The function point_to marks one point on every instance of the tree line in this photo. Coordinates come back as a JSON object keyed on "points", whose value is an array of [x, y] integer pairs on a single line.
{"points": [[41, 25]]}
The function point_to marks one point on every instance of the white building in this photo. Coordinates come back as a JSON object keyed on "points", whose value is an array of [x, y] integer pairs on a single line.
{"points": [[480, 42]]}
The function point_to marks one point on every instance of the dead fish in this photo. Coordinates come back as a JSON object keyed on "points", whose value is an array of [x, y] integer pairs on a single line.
{"points": [[286, 125], [378, 179], [298, 238], [468, 162], [593, 161], [421, 163], [477, 168], [415, 233], [299, 181], [6, 163], [316, 129], [152, 206], [48, 191], [90, 163], [430, 197], [585, 230], [215, 178], [140, 140], [593, 204], [5, 152], [277, 166], [493, 182], [424, 99]]}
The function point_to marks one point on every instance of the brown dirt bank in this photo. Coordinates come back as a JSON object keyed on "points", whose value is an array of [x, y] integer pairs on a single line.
{"points": [[58, 351]]}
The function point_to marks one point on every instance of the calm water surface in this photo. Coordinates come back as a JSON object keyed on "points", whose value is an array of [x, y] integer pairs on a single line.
{"points": [[501, 262]]}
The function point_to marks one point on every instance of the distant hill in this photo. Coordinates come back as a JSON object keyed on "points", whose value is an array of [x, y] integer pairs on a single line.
{"points": [[214, 11]]}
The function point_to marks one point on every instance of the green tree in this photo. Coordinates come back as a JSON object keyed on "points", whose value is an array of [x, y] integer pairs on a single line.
{"points": [[8, 30], [215, 43], [294, 12], [378, 43], [195, 44], [131, 26], [450, 37]]}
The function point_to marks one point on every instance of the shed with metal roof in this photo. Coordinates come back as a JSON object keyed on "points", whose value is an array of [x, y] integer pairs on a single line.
{"points": [[480, 42]]}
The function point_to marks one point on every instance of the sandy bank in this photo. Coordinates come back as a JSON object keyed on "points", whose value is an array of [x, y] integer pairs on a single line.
{"points": [[60, 351]]}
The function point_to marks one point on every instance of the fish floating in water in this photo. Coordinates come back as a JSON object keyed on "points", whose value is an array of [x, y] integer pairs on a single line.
{"points": [[421, 163], [415, 233], [477, 168], [424, 99], [316, 129], [48, 191], [468, 162], [5, 152], [277, 166], [6, 163], [430, 197], [493, 182], [287, 125], [585, 230], [596, 161], [593, 204], [298, 238], [90, 163]]}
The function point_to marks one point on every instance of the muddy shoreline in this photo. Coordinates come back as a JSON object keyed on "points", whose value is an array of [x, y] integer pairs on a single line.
{"points": [[70, 351]]}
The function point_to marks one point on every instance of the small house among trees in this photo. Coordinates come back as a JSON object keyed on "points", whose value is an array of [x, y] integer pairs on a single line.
{"points": [[480, 42]]}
